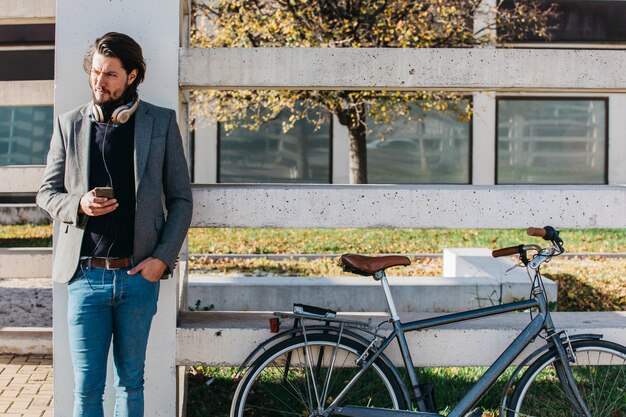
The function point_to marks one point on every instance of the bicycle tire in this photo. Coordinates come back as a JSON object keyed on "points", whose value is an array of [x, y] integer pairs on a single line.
{"points": [[599, 372], [278, 384]]}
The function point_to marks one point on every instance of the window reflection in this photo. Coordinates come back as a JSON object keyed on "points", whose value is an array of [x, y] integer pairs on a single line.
{"points": [[432, 148], [551, 141], [268, 155], [25, 135], [585, 21]]}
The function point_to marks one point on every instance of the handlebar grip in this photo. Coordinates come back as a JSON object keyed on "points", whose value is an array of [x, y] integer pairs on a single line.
{"points": [[536, 231], [512, 250]]}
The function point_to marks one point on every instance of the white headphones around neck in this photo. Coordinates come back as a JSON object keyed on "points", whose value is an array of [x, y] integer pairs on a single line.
{"points": [[119, 116]]}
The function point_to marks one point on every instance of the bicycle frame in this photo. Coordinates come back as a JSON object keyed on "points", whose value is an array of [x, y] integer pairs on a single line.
{"points": [[542, 321]]}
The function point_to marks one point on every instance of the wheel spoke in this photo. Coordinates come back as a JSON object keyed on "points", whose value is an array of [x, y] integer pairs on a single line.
{"points": [[311, 373], [329, 373], [322, 362], [599, 373]]}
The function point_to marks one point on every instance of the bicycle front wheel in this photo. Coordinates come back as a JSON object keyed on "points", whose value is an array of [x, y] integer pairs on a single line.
{"points": [[599, 372], [302, 376]]}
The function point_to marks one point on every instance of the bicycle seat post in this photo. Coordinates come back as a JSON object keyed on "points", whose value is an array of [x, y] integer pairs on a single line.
{"points": [[382, 277]]}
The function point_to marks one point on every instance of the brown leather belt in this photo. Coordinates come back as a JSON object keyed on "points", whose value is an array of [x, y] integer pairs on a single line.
{"points": [[107, 263]]}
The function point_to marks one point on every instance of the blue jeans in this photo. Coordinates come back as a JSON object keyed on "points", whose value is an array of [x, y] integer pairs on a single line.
{"points": [[105, 305]]}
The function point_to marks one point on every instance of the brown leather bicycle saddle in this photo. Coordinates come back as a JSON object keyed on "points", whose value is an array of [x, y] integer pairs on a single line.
{"points": [[369, 265]]}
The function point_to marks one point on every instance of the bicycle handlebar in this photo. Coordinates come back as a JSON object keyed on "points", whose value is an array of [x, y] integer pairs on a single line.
{"points": [[547, 233], [512, 250], [536, 231]]}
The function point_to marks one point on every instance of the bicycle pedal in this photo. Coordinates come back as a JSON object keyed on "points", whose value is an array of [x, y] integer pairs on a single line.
{"points": [[478, 412]]}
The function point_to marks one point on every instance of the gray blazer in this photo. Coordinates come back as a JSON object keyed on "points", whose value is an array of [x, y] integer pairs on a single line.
{"points": [[162, 189]]}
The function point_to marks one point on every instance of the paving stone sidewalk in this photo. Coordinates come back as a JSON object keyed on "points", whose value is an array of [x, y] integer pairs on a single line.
{"points": [[25, 385]]}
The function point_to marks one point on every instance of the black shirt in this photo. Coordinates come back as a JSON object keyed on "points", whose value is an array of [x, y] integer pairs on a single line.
{"points": [[111, 164]]}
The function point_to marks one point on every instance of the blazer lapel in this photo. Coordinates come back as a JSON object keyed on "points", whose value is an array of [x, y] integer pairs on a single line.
{"points": [[143, 134], [82, 137]]}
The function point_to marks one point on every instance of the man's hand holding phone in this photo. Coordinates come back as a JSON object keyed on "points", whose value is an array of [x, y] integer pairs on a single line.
{"points": [[98, 202]]}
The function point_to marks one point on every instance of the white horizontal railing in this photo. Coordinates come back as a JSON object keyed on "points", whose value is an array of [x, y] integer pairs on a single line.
{"points": [[20, 179], [20, 12], [27, 93], [467, 69], [396, 206], [225, 339]]}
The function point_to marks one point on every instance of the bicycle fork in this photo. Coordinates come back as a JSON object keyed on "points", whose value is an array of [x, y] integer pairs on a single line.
{"points": [[565, 374]]}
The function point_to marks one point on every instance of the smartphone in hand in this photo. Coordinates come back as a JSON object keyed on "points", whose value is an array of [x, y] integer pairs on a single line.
{"points": [[106, 192]]}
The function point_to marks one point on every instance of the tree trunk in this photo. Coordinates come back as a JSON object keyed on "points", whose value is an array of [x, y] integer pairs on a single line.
{"points": [[357, 132]]}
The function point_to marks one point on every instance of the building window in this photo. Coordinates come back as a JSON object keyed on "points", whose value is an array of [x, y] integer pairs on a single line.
{"points": [[431, 148], [26, 52], [586, 21], [32, 64], [551, 141], [301, 155], [25, 135], [20, 35]]}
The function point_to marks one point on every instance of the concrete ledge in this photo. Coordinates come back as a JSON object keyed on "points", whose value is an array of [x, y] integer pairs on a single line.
{"points": [[29, 178], [24, 340], [215, 338], [408, 206], [513, 282], [472, 279], [22, 213], [357, 294], [26, 262], [21, 12], [456, 69], [27, 93]]}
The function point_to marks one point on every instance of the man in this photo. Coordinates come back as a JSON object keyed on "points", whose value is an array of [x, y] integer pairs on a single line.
{"points": [[114, 245]]}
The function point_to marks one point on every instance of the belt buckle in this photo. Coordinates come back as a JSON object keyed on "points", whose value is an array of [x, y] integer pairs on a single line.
{"points": [[107, 264]]}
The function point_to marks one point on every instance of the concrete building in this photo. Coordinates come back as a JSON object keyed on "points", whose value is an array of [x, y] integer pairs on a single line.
{"points": [[26, 94]]}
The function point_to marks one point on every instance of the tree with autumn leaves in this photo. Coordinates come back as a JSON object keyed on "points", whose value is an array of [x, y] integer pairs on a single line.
{"points": [[350, 24]]}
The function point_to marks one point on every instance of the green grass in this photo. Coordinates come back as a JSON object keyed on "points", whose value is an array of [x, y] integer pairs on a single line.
{"points": [[589, 284], [451, 384], [333, 241], [214, 399], [326, 266], [25, 236], [324, 241]]}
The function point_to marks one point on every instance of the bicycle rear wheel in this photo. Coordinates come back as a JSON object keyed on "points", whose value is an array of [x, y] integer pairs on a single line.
{"points": [[301, 377], [599, 372]]}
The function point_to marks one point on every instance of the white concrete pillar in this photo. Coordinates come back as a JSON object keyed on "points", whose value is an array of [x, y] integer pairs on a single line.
{"points": [[485, 22], [205, 154], [484, 139], [617, 139], [155, 26], [341, 153]]}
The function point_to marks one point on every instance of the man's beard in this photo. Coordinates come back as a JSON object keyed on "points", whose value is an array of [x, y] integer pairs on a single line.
{"points": [[109, 105]]}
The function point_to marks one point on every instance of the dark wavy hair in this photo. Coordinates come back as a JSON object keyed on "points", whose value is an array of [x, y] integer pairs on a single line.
{"points": [[123, 47]]}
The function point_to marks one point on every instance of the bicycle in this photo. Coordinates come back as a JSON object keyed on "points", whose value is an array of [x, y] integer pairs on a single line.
{"points": [[337, 367]]}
